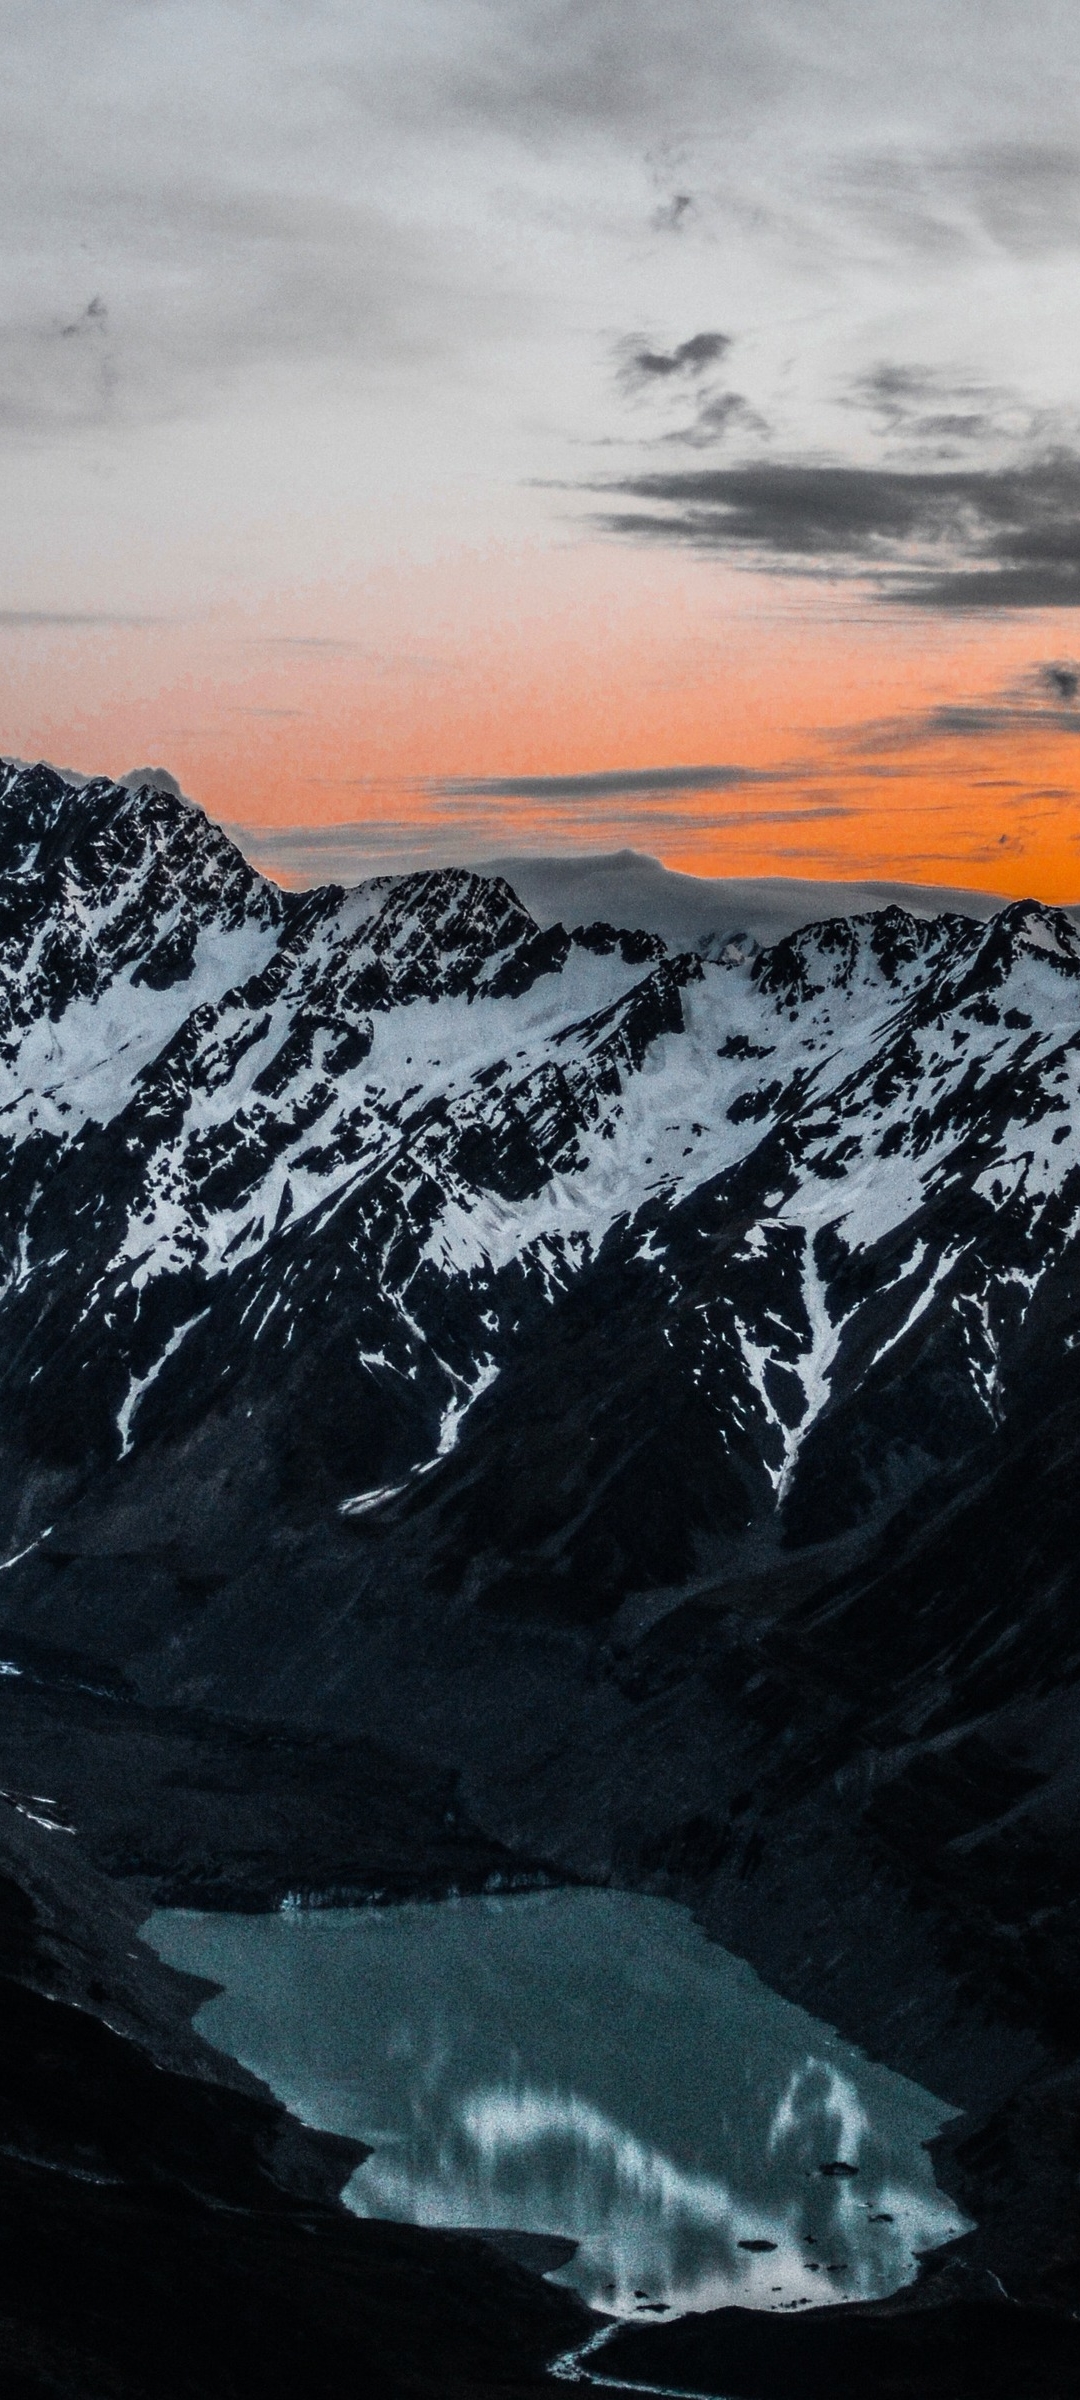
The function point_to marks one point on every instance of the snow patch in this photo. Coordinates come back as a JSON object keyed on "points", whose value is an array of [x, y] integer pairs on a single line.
{"points": [[140, 1384]]}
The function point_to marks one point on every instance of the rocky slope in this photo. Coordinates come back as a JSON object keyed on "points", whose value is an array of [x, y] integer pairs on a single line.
{"points": [[488, 1400]]}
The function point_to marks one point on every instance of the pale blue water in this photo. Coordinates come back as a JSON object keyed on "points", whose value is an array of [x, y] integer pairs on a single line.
{"points": [[587, 2064]]}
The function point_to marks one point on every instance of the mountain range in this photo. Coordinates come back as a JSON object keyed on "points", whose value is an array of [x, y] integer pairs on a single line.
{"points": [[487, 1397]]}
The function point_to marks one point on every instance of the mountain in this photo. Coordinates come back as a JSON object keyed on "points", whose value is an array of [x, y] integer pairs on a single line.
{"points": [[484, 1398], [333, 1165]]}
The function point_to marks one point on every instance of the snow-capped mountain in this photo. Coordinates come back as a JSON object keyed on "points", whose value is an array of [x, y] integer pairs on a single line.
{"points": [[484, 1398], [295, 1179]]}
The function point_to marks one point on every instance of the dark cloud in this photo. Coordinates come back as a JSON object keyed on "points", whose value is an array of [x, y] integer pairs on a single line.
{"points": [[716, 413], [724, 413], [916, 405], [1041, 703], [975, 539], [617, 782], [1050, 584], [688, 358], [967, 721]]}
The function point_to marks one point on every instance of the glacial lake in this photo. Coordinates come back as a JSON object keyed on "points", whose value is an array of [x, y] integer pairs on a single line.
{"points": [[585, 2064]]}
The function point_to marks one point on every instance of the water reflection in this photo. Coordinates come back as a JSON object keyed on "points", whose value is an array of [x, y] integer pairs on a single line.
{"points": [[584, 2064]]}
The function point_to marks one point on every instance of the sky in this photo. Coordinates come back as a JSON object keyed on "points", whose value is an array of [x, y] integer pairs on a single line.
{"points": [[443, 429]]}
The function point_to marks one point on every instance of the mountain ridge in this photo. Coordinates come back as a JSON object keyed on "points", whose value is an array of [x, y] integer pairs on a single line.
{"points": [[267, 1077]]}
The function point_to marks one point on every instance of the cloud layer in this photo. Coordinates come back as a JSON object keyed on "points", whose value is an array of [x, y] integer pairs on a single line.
{"points": [[994, 538]]}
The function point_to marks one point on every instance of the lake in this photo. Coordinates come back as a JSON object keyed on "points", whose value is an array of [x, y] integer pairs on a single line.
{"points": [[584, 2064]]}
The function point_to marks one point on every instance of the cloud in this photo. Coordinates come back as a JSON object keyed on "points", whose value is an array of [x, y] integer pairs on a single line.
{"points": [[1026, 193], [919, 404], [94, 314], [351, 851], [154, 779], [977, 720], [28, 619], [1041, 704], [950, 539], [688, 358], [672, 215], [616, 782], [1015, 190], [212, 281], [668, 373], [727, 412]]}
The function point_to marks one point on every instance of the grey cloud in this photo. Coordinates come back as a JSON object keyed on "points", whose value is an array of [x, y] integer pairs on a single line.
{"points": [[1051, 585], [56, 374], [726, 412], [1040, 703], [347, 852], [354, 849], [688, 358], [978, 539], [545, 67], [573, 819], [287, 841], [672, 214], [926, 413], [34, 619], [973, 721], [238, 246], [917, 404], [154, 779], [900, 205], [1025, 193], [967, 721], [1019, 192], [265, 183], [829, 76], [617, 782], [716, 413], [93, 314], [191, 193]]}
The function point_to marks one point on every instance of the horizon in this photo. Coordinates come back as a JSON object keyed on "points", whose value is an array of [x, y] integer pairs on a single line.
{"points": [[633, 887]]}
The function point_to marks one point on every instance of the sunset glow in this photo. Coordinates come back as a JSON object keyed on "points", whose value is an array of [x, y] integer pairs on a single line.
{"points": [[515, 405]]}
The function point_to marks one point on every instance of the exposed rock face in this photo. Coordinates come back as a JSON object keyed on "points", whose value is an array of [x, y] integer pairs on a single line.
{"points": [[610, 1412]]}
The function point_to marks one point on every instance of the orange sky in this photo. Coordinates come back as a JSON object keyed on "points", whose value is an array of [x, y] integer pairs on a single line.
{"points": [[401, 401], [550, 662]]}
